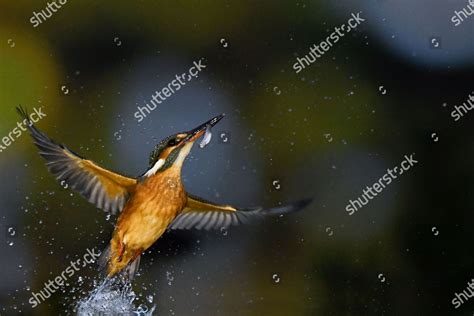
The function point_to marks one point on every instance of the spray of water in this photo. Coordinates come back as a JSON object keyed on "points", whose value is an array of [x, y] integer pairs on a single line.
{"points": [[111, 297]]}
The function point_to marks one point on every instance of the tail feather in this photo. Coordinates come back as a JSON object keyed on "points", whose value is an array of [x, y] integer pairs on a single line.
{"points": [[127, 270], [132, 268]]}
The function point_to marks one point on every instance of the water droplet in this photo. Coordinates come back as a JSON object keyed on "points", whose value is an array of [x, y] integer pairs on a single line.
{"points": [[10, 243], [276, 90], [276, 278], [276, 184], [434, 137], [382, 90], [435, 231], [169, 277], [142, 309], [224, 42], [149, 298], [117, 41], [11, 43]]}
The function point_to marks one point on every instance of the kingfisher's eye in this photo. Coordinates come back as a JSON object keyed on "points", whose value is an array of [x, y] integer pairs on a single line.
{"points": [[173, 142]]}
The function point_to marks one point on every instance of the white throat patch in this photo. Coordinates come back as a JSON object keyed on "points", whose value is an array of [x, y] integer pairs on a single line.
{"points": [[183, 153], [155, 168]]}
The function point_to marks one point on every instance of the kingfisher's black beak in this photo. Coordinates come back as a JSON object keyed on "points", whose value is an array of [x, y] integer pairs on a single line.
{"points": [[199, 131]]}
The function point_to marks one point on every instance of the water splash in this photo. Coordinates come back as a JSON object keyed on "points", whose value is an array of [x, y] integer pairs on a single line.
{"points": [[114, 296]]}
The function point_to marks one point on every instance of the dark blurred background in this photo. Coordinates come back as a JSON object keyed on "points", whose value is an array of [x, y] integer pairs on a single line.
{"points": [[325, 133]]}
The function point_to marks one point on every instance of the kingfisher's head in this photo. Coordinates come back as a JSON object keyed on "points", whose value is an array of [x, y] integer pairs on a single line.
{"points": [[173, 150]]}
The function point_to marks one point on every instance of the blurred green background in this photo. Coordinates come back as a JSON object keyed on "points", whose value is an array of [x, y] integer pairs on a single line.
{"points": [[326, 132]]}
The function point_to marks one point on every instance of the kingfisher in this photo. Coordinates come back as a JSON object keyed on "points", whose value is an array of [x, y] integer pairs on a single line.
{"points": [[149, 204]]}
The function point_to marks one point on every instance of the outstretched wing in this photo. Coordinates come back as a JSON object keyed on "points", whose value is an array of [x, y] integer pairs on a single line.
{"points": [[202, 214], [103, 188]]}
